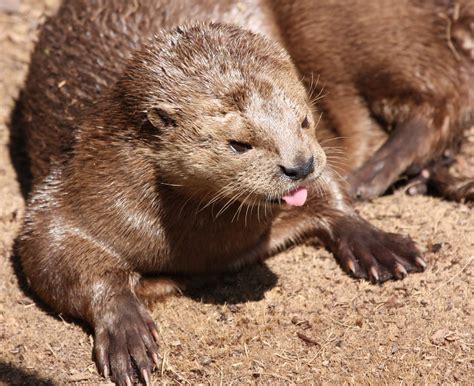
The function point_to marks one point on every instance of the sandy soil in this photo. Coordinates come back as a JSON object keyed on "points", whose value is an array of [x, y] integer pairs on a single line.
{"points": [[297, 319]]}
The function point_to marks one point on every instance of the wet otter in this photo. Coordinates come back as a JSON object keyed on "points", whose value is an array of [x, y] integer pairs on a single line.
{"points": [[397, 79], [189, 151]]}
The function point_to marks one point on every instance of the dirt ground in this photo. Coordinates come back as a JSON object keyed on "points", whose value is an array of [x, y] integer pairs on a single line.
{"points": [[297, 319]]}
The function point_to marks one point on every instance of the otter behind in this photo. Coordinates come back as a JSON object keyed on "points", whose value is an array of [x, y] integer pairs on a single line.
{"points": [[398, 84]]}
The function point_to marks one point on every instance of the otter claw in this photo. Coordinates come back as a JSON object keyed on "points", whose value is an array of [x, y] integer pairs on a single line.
{"points": [[418, 189], [400, 271], [351, 267], [156, 360], [146, 377], [374, 273], [154, 332], [105, 371], [421, 263]]}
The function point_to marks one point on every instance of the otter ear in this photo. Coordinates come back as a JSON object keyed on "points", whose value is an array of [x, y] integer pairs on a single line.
{"points": [[161, 117]]}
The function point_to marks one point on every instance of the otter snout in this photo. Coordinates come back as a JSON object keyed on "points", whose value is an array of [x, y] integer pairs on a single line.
{"points": [[300, 170]]}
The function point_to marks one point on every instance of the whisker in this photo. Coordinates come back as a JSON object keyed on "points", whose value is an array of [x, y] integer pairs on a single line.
{"points": [[339, 162], [168, 184], [237, 212], [220, 194], [229, 203], [339, 176], [332, 139], [319, 120]]}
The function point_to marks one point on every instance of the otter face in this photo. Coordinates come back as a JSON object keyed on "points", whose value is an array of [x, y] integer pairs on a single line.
{"points": [[264, 150], [233, 122]]}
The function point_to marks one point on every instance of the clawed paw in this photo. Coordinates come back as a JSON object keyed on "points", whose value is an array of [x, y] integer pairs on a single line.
{"points": [[125, 342], [370, 253]]}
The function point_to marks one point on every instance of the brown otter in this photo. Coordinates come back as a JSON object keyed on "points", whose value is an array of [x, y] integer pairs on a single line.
{"points": [[189, 151], [404, 67]]}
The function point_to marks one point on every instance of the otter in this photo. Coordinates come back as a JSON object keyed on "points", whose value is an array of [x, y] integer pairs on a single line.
{"points": [[398, 85], [162, 147]]}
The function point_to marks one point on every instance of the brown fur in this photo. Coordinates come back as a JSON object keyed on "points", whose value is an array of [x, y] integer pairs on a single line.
{"points": [[149, 183], [400, 70]]}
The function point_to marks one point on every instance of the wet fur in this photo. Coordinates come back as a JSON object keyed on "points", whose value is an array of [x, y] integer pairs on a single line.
{"points": [[128, 144]]}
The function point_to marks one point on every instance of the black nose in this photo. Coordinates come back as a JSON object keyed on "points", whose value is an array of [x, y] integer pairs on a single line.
{"points": [[300, 171]]}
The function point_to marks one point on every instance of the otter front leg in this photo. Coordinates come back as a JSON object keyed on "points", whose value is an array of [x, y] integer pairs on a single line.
{"points": [[82, 277], [360, 248], [367, 252], [413, 141]]}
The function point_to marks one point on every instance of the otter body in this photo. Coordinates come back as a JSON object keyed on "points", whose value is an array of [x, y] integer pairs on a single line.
{"points": [[165, 149], [396, 80]]}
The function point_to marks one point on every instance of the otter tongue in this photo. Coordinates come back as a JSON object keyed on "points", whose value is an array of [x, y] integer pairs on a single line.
{"points": [[296, 197]]}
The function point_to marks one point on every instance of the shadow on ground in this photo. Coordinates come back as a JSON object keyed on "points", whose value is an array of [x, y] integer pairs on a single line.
{"points": [[12, 375], [248, 284]]}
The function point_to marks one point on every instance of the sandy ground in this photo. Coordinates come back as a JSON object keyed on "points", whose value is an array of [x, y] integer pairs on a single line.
{"points": [[297, 319]]}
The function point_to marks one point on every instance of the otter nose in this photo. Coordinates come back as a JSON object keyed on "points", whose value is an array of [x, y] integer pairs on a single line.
{"points": [[300, 171]]}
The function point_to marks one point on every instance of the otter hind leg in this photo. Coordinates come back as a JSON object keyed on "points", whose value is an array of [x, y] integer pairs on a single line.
{"points": [[153, 289], [349, 123]]}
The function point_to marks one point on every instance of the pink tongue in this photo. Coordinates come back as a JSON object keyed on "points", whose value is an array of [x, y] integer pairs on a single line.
{"points": [[296, 197]]}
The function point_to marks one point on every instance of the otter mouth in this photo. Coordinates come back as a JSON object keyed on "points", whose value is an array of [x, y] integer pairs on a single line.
{"points": [[295, 197]]}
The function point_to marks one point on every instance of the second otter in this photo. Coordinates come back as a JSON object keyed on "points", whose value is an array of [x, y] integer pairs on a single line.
{"points": [[397, 79]]}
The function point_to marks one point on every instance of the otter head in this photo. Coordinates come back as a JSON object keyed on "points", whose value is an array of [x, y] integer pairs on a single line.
{"points": [[224, 116]]}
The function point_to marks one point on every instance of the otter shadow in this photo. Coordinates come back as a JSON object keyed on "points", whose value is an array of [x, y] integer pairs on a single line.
{"points": [[248, 284], [12, 375], [17, 149]]}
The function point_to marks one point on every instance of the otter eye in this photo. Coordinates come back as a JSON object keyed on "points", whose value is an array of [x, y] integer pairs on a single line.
{"points": [[239, 147], [305, 123]]}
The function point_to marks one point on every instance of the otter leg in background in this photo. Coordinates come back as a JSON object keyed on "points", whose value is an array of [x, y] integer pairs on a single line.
{"points": [[361, 249], [346, 117], [412, 141]]}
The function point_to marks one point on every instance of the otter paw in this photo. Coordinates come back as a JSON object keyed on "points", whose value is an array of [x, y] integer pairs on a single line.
{"points": [[367, 252], [125, 341], [367, 182], [417, 184], [465, 192]]}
